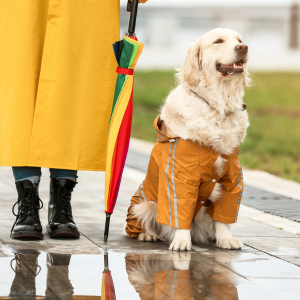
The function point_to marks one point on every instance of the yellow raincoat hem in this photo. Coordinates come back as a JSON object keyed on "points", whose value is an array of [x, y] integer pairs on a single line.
{"points": [[14, 164], [222, 219]]}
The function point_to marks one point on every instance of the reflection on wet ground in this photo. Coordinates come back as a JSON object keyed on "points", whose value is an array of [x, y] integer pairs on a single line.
{"points": [[177, 279], [32, 274]]}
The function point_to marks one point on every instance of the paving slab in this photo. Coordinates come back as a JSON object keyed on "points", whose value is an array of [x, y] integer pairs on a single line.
{"points": [[283, 288], [118, 243], [268, 219], [246, 227], [287, 249], [64, 246], [246, 264]]}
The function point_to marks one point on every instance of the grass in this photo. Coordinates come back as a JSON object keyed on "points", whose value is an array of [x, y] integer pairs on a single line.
{"points": [[150, 90], [273, 104]]}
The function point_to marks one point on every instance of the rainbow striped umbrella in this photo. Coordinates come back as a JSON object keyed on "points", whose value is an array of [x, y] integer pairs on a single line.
{"points": [[127, 53], [108, 289]]}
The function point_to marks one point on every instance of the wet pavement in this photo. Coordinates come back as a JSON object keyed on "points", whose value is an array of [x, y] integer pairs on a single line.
{"points": [[268, 267], [32, 274]]}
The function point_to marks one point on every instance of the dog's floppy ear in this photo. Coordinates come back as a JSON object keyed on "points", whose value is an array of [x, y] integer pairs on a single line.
{"points": [[189, 72]]}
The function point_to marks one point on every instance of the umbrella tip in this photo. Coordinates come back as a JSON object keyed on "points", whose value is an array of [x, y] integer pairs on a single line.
{"points": [[106, 227]]}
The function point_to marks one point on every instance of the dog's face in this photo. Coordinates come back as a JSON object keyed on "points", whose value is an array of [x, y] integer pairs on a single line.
{"points": [[224, 50], [219, 53]]}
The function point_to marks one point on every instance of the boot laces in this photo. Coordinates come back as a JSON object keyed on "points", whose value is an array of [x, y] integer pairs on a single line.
{"points": [[62, 203], [29, 204], [18, 260]]}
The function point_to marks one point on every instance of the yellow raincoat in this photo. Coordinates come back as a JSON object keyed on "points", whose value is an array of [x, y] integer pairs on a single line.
{"points": [[57, 80], [180, 178]]}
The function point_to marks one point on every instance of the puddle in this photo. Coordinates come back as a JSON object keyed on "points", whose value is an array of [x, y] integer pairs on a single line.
{"points": [[32, 274]]}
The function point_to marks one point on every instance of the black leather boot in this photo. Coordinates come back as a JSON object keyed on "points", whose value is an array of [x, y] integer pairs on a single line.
{"points": [[60, 218], [26, 269], [27, 224], [58, 283]]}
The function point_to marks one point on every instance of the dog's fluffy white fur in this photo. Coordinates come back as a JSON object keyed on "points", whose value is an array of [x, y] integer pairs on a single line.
{"points": [[206, 107]]}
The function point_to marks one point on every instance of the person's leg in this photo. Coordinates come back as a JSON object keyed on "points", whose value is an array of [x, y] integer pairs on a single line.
{"points": [[27, 173], [27, 224], [62, 173], [60, 219]]}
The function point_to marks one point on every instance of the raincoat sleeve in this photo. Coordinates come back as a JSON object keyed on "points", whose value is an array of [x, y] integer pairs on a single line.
{"points": [[226, 209], [179, 181]]}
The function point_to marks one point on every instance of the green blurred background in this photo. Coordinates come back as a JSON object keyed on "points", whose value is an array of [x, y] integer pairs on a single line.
{"points": [[273, 104]]}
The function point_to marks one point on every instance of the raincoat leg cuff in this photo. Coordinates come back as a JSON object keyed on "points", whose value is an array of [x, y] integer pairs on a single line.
{"points": [[133, 232], [222, 219], [166, 221]]}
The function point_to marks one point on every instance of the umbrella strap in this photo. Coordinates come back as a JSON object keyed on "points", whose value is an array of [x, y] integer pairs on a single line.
{"points": [[124, 71]]}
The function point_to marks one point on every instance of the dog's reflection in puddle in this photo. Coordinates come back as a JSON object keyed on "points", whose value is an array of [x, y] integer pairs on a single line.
{"points": [[176, 277]]}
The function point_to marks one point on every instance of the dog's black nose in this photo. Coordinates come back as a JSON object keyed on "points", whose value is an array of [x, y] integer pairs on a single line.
{"points": [[241, 48]]}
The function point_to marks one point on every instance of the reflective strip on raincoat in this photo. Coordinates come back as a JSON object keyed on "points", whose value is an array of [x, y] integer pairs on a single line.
{"points": [[180, 177]]}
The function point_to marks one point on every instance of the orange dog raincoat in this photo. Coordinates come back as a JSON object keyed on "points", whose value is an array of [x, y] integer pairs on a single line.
{"points": [[180, 178]]}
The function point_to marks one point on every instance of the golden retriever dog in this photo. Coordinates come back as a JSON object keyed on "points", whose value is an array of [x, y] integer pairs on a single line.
{"points": [[206, 108]]}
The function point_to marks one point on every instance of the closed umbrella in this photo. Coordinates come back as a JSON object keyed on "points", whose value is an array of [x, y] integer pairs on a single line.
{"points": [[127, 52]]}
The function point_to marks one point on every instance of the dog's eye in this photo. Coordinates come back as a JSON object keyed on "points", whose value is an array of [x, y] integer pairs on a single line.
{"points": [[240, 41], [219, 41]]}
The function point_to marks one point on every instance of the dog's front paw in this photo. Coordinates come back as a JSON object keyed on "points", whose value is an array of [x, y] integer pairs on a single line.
{"points": [[145, 237], [181, 260], [230, 243], [182, 240]]}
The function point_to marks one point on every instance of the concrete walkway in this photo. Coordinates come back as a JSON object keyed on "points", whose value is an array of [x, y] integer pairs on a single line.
{"points": [[266, 268]]}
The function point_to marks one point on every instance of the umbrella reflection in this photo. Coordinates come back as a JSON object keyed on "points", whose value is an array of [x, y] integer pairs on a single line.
{"points": [[175, 277], [108, 289]]}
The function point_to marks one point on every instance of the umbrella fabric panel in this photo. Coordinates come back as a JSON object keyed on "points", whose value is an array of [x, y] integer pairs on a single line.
{"points": [[114, 129], [124, 63], [131, 51], [120, 156], [141, 47], [137, 51], [118, 98], [108, 289]]}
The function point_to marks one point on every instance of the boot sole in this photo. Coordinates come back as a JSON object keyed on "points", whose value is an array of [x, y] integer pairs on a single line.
{"points": [[62, 233], [27, 236]]}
